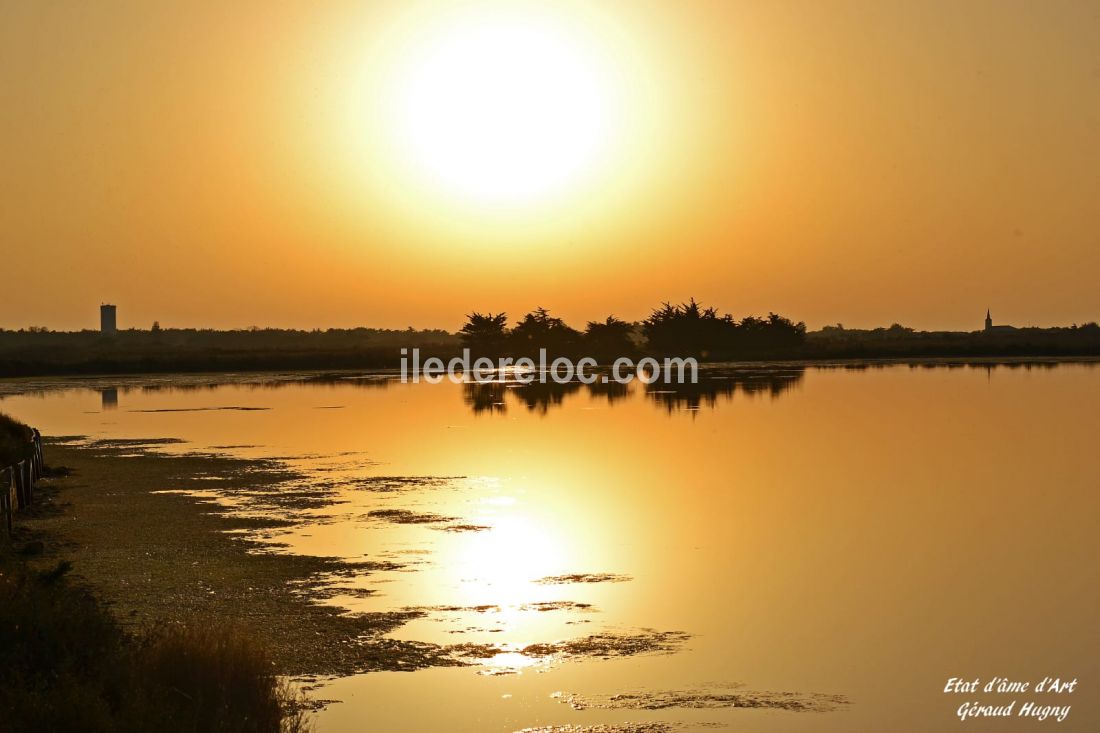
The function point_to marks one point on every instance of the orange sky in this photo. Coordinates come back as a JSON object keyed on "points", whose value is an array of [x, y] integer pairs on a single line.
{"points": [[224, 164]]}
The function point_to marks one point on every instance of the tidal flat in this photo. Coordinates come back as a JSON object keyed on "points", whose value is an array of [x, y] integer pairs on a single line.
{"points": [[158, 545]]}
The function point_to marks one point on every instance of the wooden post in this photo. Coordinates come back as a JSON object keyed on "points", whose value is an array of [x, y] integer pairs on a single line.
{"points": [[20, 484], [28, 480], [6, 508], [38, 450], [17, 483], [13, 489]]}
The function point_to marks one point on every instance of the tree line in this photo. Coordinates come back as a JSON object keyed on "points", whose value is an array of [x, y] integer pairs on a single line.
{"points": [[684, 329]]}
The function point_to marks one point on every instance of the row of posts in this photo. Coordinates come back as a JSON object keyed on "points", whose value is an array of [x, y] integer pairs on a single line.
{"points": [[17, 482]]}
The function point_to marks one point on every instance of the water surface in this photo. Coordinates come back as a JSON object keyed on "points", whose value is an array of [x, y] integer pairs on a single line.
{"points": [[857, 536]]}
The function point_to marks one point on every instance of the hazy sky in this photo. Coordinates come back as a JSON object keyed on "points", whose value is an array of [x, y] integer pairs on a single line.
{"points": [[231, 164]]}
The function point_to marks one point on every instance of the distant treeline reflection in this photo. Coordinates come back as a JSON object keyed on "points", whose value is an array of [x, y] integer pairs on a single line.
{"points": [[714, 385], [490, 397]]}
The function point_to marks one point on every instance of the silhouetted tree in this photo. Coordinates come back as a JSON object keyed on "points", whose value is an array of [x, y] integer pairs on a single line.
{"points": [[689, 329], [771, 336], [484, 333], [610, 339], [540, 330]]}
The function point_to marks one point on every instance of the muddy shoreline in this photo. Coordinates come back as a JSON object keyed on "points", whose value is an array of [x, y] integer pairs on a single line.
{"points": [[189, 539], [155, 553]]}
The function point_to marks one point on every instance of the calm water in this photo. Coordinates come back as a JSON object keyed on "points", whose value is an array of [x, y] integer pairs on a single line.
{"points": [[866, 533]]}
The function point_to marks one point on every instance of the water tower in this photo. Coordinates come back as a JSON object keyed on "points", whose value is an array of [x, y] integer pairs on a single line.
{"points": [[107, 322]]}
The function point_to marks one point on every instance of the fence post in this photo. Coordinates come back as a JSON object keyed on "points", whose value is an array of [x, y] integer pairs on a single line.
{"points": [[13, 489], [6, 508], [21, 484], [17, 482], [38, 451], [29, 480]]}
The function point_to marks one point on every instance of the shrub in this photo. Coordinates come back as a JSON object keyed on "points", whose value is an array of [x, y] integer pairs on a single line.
{"points": [[14, 441], [65, 665]]}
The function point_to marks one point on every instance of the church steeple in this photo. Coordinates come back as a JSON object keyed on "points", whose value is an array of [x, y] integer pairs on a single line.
{"points": [[988, 320]]}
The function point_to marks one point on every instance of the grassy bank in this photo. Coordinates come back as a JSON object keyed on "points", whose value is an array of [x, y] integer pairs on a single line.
{"points": [[65, 665], [14, 441]]}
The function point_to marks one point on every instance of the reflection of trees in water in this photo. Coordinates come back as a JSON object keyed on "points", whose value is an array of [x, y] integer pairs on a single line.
{"points": [[718, 384], [491, 397], [612, 391], [714, 383], [187, 384], [482, 397], [539, 397], [495, 397], [265, 382]]}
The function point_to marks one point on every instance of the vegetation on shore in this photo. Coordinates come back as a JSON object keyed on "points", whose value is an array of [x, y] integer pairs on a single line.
{"points": [[15, 440], [65, 665], [897, 341], [686, 329], [37, 351]]}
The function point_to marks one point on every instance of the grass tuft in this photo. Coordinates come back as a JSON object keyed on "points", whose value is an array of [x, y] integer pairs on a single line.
{"points": [[15, 440], [65, 665]]}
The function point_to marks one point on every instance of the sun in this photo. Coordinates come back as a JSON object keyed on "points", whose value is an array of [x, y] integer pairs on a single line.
{"points": [[502, 108]]}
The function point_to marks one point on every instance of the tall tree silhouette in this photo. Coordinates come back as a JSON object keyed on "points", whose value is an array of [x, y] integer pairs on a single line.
{"points": [[609, 339], [540, 330], [689, 329], [484, 333]]}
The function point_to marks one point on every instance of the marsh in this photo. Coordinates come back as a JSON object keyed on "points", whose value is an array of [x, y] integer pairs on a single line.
{"points": [[663, 557]]}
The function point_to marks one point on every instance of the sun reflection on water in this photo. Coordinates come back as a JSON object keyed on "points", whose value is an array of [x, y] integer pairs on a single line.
{"points": [[499, 565]]}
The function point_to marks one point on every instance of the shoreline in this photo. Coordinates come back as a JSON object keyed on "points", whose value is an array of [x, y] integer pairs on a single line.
{"points": [[154, 553], [275, 375]]}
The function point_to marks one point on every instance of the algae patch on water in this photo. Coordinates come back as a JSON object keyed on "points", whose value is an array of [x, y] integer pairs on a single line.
{"points": [[434, 521], [583, 578], [604, 645], [800, 702], [607, 728]]}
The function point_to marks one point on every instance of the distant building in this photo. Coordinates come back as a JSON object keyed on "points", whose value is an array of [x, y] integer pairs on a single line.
{"points": [[990, 328], [107, 318]]}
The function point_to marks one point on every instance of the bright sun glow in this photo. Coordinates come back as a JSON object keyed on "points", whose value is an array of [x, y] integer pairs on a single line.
{"points": [[504, 561], [502, 108]]}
